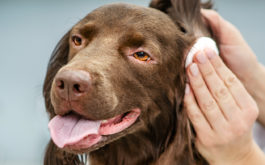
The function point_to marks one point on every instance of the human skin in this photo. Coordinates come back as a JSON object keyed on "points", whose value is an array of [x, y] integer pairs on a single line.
{"points": [[217, 99], [239, 58], [222, 113]]}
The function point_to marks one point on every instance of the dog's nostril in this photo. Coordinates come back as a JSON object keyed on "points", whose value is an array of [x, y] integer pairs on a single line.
{"points": [[77, 88], [60, 84]]}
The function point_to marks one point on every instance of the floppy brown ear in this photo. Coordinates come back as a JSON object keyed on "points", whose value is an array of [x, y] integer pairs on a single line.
{"points": [[186, 14], [57, 60]]}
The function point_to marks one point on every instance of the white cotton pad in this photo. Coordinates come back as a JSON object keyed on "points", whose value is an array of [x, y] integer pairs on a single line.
{"points": [[200, 44]]}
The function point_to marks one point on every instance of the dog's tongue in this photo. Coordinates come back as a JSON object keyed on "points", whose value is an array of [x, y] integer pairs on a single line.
{"points": [[71, 129]]}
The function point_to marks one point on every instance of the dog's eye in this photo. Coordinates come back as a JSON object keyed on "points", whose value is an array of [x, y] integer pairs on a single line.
{"points": [[77, 40], [142, 56]]}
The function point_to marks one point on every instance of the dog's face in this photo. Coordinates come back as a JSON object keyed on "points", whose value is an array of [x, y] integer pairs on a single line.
{"points": [[120, 70]]}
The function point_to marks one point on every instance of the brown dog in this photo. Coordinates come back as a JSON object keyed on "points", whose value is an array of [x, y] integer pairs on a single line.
{"points": [[115, 84]]}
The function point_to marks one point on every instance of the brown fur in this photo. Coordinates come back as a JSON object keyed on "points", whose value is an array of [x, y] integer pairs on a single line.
{"points": [[163, 134]]}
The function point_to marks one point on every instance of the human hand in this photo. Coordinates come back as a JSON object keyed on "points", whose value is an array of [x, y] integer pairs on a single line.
{"points": [[234, 50], [239, 57], [221, 111]]}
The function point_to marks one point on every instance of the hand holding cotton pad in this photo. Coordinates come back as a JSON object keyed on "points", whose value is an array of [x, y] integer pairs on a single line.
{"points": [[200, 44]]}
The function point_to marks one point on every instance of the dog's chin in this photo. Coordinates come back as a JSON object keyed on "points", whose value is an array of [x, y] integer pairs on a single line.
{"points": [[109, 131]]}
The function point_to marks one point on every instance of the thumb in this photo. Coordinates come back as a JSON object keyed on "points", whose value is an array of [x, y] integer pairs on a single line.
{"points": [[224, 31], [214, 20]]}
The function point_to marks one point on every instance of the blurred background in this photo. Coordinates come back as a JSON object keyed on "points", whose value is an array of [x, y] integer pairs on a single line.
{"points": [[30, 29]]}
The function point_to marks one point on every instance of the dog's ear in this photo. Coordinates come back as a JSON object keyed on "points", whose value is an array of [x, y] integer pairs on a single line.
{"points": [[54, 156], [58, 59], [186, 14]]}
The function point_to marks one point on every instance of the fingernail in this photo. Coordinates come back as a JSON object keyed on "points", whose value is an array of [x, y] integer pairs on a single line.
{"points": [[187, 89], [201, 57], [194, 69], [210, 53]]}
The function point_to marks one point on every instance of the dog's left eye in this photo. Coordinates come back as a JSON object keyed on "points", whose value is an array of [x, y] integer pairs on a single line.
{"points": [[142, 56], [77, 40]]}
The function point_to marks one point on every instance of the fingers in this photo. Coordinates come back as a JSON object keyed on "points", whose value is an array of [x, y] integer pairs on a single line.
{"points": [[197, 118], [217, 87], [219, 94], [206, 102], [236, 88], [216, 105]]}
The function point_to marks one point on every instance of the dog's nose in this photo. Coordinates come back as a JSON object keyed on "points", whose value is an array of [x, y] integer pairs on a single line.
{"points": [[72, 84]]}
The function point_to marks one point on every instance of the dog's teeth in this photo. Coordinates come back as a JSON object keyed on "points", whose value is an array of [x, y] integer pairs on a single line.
{"points": [[104, 121], [132, 115]]}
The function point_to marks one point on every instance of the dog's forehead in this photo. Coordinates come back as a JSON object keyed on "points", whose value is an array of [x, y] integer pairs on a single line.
{"points": [[119, 26], [122, 15]]}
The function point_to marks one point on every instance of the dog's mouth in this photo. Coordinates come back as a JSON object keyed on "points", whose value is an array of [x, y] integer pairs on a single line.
{"points": [[77, 133]]}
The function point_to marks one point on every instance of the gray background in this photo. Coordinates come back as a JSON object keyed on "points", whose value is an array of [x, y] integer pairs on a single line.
{"points": [[29, 30]]}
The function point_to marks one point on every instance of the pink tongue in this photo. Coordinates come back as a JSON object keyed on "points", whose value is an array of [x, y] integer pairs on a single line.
{"points": [[71, 129]]}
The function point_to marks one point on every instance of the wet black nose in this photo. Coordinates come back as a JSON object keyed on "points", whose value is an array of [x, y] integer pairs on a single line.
{"points": [[72, 84]]}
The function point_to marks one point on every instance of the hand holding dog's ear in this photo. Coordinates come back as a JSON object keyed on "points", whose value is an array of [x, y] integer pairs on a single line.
{"points": [[222, 113], [239, 57]]}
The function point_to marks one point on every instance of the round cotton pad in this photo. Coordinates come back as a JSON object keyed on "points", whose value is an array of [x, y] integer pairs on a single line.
{"points": [[200, 44]]}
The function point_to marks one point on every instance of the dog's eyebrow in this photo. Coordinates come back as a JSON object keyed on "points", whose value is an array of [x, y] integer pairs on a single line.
{"points": [[132, 39], [88, 30]]}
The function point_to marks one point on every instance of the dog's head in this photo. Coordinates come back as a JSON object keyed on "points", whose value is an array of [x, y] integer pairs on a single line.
{"points": [[117, 77]]}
